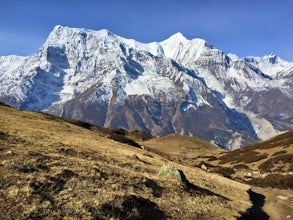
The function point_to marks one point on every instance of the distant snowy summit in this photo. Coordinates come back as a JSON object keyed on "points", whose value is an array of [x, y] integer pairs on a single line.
{"points": [[174, 86]]}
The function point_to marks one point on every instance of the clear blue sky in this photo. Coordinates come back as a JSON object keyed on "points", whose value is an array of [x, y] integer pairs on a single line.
{"points": [[243, 27]]}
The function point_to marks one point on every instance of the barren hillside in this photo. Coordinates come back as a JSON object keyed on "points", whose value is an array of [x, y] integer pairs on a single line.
{"points": [[267, 166], [53, 169]]}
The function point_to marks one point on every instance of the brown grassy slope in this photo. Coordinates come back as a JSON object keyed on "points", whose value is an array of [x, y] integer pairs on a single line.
{"points": [[52, 169], [182, 148], [272, 160], [130, 137], [279, 145], [268, 164]]}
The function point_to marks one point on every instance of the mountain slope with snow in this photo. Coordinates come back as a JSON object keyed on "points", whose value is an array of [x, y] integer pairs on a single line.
{"points": [[250, 87], [174, 86]]}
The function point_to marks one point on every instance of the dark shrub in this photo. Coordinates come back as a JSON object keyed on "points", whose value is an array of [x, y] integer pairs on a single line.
{"points": [[269, 164], [225, 171], [279, 153], [240, 167], [274, 180]]}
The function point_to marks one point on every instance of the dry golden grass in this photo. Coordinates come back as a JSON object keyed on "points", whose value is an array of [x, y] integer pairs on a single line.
{"points": [[268, 163], [184, 149], [265, 164], [258, 153], [278, 203], [53, 169]]}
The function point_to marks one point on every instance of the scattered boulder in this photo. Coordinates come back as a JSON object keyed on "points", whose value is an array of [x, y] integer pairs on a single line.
{"points": [[170, 171], [9, 152], [282, 197], [174, 173], [204, 167]]}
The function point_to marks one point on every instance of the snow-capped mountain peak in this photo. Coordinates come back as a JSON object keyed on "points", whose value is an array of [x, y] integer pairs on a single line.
{"points": [[269, 64], [177, 37], [63, 35], [233, 57], [177, 47], [272, 59], [174, 86]]}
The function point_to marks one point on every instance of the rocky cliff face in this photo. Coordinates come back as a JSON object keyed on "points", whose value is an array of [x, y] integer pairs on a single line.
{"points": [[175, 86]]}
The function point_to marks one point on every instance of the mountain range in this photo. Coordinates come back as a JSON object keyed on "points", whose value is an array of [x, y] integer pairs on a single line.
{"points": [[174, 86]]}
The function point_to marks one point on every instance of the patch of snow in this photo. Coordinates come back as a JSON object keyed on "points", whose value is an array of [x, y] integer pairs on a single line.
{"points": [[177, 47], [211, 81], [233, 57], [228, 100], [188, 106], [270, 64], [149, 83], [154, 47]]}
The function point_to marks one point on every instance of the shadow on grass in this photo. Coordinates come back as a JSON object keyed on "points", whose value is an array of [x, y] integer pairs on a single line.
{"points": [[130, 207], [255, 212], [191, 187]]}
